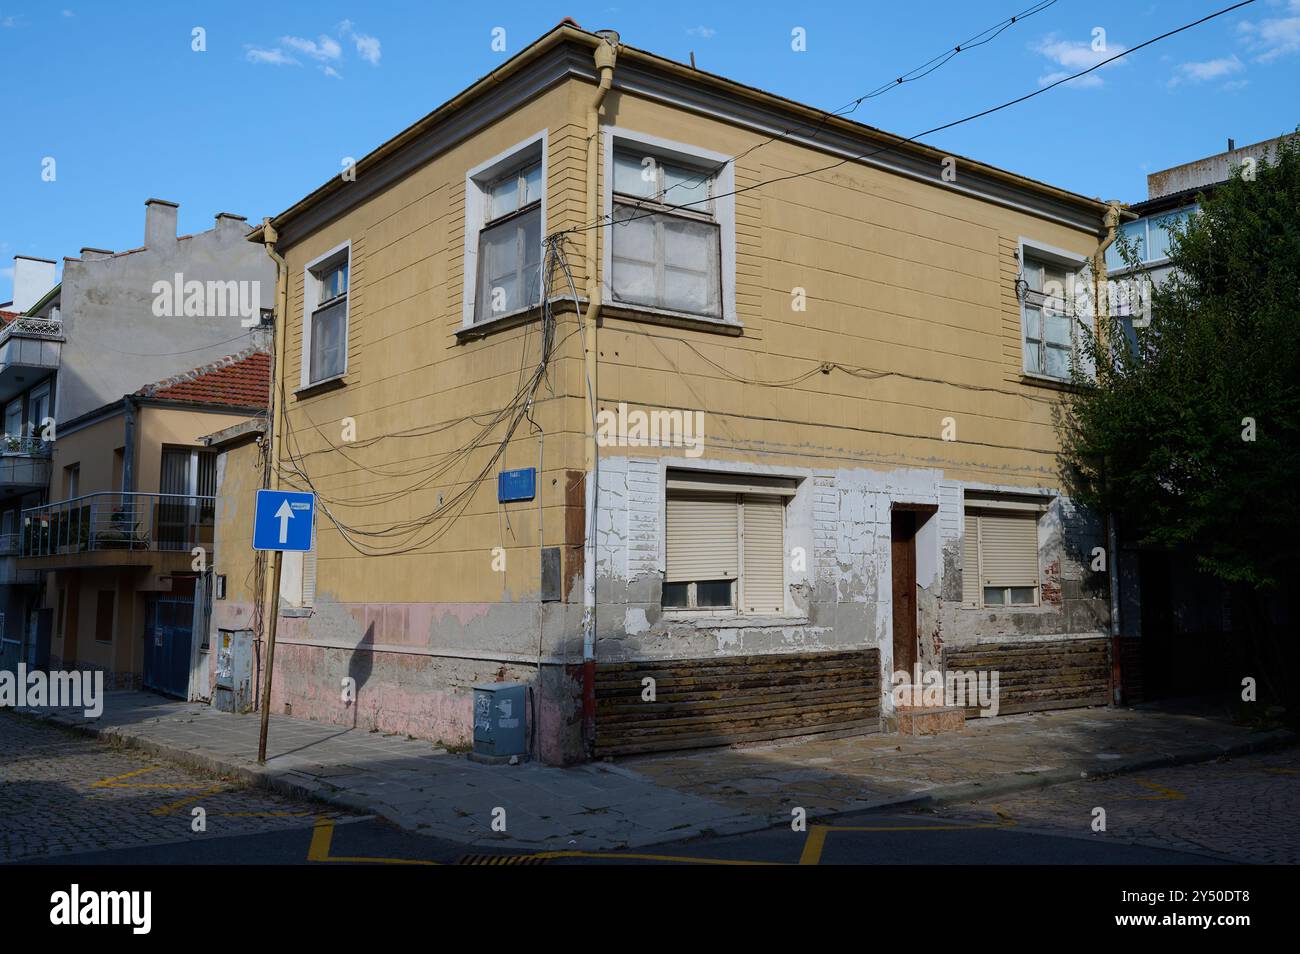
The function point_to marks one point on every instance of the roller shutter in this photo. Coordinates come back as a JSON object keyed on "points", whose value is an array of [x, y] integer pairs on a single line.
{"points": [[764, 548], [702, 537]]}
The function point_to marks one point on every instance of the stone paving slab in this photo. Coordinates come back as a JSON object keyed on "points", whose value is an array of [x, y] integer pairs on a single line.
{"points": [[412, 783], [988, 757], [655, 799]]}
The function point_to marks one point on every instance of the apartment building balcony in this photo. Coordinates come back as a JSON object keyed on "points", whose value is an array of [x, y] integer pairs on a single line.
{"points": [[29, 349], [24, 464], [108, 529]]}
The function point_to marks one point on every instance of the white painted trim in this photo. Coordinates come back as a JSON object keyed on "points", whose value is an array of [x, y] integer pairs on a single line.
{"points": [[724, 212], [475, 180], [310, 293]]}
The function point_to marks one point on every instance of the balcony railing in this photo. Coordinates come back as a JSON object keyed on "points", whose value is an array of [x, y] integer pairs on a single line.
{"points": [[24, 446], [32, 328], [118, 521]]}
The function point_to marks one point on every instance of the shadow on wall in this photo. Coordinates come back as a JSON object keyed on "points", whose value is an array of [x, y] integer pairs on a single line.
{"points": [[361, 665]]}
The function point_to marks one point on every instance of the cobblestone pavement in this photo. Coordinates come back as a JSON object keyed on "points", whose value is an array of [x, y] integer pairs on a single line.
{"points": [[1246, 808], [63, 793]]}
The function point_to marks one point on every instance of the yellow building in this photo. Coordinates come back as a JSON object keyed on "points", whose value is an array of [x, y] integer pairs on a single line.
{"points": [[125, 544], [823, 360]]}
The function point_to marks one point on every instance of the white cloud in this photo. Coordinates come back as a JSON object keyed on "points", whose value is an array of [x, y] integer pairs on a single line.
{"points": [[702, 32], [1071, 56], [274, 57], [1274, 37], [325, 48], [1235, 86], [68, 13], [331, 71], [9, 22], [1207, 70], [368, 47]]}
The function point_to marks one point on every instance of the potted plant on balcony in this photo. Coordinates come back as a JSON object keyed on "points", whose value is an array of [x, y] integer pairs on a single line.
{"points": [[123, 533]]}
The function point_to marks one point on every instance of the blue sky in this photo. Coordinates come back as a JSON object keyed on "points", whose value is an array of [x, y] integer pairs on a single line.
{"points": [[115, 95]]}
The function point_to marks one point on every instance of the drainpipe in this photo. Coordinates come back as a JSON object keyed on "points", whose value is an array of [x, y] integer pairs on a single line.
{"points": [[605, 56], [1101, 299], [271, 601], [128, 445]]}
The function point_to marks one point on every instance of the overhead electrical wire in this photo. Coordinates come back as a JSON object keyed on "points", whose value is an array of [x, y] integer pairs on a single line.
{"points": [[606, 220], [418, 532]]}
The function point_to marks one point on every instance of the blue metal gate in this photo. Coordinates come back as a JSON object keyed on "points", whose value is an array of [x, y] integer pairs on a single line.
{"points": [[169, 625]]}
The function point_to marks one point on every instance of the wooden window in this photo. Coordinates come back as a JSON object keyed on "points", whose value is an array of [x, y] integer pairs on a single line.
{"points": [[665, 237], [105, 604], [1000, 557], [326, 288], [510, 243]]}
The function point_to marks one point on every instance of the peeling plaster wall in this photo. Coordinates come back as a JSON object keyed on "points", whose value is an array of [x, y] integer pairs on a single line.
{"points": [[843, 598]]}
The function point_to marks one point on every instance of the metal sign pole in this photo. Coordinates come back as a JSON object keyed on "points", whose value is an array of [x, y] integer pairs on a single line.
{"points": [[274, 609]]}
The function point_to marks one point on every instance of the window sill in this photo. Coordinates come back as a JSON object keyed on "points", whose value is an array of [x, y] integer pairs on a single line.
{"points": [[511, 319], [1045, 381], [296, 612], [675, 319], [321, 386], [704, 619]]}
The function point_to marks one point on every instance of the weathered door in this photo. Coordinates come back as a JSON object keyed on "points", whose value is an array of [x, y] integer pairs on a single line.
{"points": [[902, 539], [168, 627]]}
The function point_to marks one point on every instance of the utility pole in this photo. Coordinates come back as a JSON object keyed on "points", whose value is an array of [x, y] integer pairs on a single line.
{"points": [[277, 557]]}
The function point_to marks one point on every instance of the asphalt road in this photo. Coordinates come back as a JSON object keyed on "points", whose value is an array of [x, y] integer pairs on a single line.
{"points": [[68, 799]]}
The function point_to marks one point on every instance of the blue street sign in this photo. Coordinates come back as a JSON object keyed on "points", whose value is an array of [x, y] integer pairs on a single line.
{"points": [[283, 520], [517, 484]]}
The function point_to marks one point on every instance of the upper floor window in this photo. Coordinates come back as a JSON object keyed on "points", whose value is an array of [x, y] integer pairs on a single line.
{"points": [[510, 243], [1055, 308], [325, 331], [666, 237], [1149, 236]]}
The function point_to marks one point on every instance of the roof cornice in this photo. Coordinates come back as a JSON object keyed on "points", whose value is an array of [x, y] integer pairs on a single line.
{"points": [[565, 53]]}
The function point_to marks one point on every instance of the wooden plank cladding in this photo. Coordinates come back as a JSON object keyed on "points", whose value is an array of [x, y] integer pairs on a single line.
{"points": [[726, 699], [1049, 674]]}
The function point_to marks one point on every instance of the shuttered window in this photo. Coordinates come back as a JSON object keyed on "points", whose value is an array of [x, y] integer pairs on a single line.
{"points": [[1001, 559], [763, 535], [703, 537], [725, 551]]}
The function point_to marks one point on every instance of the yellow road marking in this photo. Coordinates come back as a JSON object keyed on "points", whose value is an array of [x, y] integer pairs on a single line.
{"points": [[115, 781], [1164, 794], [168, 809], [1282, 771], [688, 859], [261, 814], [816, 841], [323, 834]]}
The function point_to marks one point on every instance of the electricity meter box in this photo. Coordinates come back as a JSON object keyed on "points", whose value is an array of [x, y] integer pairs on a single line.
{"points": [[234, 687], [500, 719]]}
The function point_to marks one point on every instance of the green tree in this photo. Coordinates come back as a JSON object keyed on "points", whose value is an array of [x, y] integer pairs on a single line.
{"points": [[1188, 432]]}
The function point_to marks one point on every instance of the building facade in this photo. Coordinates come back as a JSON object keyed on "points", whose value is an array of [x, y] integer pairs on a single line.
{"points": [[821, 448]]}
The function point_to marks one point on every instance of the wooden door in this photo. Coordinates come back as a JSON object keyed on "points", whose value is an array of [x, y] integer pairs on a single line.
{"points": [[903, 559]]}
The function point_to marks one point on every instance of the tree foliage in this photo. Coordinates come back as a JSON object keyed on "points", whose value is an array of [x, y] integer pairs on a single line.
{"points": [[1188, 434]]}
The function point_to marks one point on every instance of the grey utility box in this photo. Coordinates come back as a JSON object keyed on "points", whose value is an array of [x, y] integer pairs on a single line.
{"points": [[500, 723], [234, 689]]}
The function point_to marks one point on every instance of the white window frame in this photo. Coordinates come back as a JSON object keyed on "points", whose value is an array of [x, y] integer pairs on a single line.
{"points": [[728, 483], [988, 503], [310, 302], [1071, 262], [39, 393], [724, 212], [477, 179]]}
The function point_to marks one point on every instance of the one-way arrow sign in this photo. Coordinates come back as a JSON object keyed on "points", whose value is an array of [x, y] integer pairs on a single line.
{"points": [[283, 520]]}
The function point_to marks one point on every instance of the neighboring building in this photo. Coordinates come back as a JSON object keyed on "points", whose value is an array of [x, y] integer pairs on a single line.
{"points": [[133, 495], [30, 351], [1179, 613], [115, 322], [876, 484]]}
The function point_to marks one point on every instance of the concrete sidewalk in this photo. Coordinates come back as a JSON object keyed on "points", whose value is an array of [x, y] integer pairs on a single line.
{"points": [[658, 799]]}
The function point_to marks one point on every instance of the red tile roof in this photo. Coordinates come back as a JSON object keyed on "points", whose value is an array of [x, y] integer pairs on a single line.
{"points": [[237, 380], [8, 316]]}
